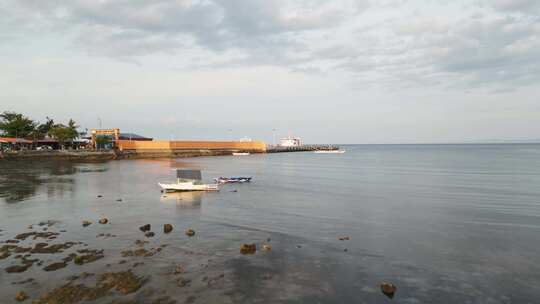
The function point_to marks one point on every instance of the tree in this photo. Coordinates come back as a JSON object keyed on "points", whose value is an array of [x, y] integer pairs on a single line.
{"points": [[43, 129], [16, 125], [73, 128], [65, 133]]}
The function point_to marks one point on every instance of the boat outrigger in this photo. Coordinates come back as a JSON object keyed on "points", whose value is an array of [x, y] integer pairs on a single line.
{"points": [[227, 180], [189, 180]]}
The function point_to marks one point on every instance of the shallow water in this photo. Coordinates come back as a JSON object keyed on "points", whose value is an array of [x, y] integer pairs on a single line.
{"points": [[445, 223]]}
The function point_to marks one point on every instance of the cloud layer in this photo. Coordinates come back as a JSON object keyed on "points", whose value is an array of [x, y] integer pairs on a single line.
{"points": [[492, 45]]}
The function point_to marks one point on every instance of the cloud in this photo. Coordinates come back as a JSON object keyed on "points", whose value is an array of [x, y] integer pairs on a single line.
{"points": [[521, 6], [395, 44]]}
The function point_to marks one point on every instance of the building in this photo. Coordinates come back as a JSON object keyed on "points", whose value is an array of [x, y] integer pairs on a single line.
{"points": [[109, 138], [12, 143], [133, 136], [290, 142]]}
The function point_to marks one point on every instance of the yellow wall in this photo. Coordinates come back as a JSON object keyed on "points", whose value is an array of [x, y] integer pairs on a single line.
{"points": [[255, 146]]}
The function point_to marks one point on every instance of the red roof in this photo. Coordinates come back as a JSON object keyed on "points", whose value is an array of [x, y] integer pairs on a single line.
{"points": [[14, 140]]}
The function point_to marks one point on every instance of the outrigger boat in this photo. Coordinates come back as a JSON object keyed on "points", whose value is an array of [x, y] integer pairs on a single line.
{"points": [[189, 180], [227, 180]]}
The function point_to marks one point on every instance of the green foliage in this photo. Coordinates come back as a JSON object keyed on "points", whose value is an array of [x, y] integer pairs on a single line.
{"points": [[43, 129], [16, 125], [65, 133]]}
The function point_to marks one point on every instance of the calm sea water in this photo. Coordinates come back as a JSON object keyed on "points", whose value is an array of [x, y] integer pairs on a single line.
{"points": [[445, 223]]}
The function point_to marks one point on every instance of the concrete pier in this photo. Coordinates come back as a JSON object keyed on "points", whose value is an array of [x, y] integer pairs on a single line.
{"points": [[301, 148]]}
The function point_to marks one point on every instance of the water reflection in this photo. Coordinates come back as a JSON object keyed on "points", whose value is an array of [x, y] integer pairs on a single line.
{"points": [[190, 199], [20, 180]]}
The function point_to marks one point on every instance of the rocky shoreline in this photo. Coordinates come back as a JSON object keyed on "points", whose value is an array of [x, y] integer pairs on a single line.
{"points": [[105, 155]]}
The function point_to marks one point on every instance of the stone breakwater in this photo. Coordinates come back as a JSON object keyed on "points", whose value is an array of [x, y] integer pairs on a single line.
{"points": [[105, 155]]}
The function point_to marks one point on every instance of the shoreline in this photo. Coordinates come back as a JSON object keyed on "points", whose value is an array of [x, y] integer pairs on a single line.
{"points": [[105, 155]]}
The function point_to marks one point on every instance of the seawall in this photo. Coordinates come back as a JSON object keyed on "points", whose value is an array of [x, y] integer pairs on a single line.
{"points": [[59, 155], [89, 156], [180, 147]]}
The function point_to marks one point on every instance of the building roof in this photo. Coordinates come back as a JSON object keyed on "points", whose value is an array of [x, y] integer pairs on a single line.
{"points": [[133, 136], [14, 140]]}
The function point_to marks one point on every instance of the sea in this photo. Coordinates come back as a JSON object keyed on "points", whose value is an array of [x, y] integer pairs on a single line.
{"points": [[442, 223]]}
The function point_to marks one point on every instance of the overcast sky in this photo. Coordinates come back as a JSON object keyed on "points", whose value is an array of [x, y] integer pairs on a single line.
{"points": [[380, 71]]}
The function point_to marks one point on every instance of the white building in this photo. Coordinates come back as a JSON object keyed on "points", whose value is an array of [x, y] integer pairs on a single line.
{"points": [[290, 142]]}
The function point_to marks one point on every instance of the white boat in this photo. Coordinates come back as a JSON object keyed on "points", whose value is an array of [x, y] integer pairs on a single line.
{"points": [[188, 180], [240, 153], [330, 151]]}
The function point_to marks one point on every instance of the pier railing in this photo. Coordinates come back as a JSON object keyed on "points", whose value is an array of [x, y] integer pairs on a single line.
{"points": [[302, 148]]}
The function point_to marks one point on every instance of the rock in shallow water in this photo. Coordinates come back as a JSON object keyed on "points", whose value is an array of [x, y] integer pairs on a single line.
{"points": [[20, 296], [55, 266], [145, 228], [86, 223], [190, 232], [167, 228], [388, 289], [103, 221], [248, 248], [149, 234], [16, 268], [178, 269]]}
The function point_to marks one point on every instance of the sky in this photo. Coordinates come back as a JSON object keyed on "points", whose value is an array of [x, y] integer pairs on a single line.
{"points": [[328, 71]]}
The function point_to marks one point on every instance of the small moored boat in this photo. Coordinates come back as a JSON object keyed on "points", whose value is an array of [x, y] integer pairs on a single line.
{"points": [[188, 180], [227, 180], [240, 153]]}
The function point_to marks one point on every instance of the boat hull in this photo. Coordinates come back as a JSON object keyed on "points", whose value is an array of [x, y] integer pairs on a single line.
{"points": [[188, 187]]}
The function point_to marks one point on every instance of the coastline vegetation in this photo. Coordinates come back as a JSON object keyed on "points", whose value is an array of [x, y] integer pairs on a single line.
{"points": [[17, 125]]}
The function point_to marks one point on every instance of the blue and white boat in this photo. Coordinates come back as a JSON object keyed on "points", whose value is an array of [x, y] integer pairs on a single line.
{"points": [[236, 179]]}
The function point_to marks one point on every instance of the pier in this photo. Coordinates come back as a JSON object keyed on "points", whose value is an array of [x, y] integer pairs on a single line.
{"points": [[300, 148]]}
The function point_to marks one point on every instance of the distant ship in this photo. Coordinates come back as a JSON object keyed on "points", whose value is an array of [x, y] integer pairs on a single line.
{"points": [[330, 151], [240, 153]]}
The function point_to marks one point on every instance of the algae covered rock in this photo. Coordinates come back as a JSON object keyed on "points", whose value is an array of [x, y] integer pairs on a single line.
{"points": [[388, 289], [167, 228], [78, 260], [86, 223], [55, 266], [145, 228], [17, 268], [190, 232], [248, 248], [178, 269], [20, 296], [103, 221]]}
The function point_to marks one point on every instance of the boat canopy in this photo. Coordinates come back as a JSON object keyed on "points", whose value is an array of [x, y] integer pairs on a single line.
{"points": [[189, 174]]}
